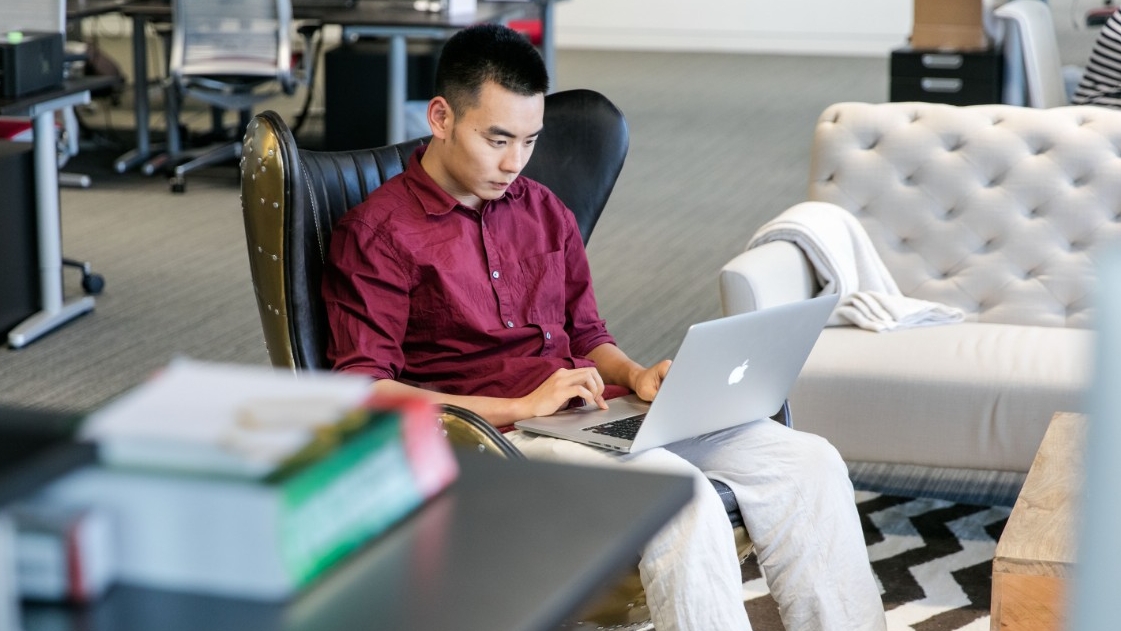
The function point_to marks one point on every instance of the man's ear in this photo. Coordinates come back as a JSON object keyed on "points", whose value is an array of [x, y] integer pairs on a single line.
{"points": [[440, 117]]}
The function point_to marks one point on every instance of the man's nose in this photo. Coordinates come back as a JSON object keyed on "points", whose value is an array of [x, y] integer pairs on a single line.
{"points": [[513, 161]]}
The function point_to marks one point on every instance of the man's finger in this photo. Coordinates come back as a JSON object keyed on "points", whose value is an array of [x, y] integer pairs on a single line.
{"points": [[582, 392], [600, 387]]}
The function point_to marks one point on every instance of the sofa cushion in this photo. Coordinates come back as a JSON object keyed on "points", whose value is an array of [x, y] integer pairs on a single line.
{"points": [[976, 395], [993, 209]]}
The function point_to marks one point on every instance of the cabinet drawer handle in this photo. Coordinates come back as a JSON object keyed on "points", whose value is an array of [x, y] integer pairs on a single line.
{"points": [[942, 62], [933, 84]]}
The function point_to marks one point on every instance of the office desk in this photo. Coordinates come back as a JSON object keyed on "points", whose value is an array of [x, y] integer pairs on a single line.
{"points": [[41, 107], [80, 9], [368, 18], [397, 23], [511, 545]]}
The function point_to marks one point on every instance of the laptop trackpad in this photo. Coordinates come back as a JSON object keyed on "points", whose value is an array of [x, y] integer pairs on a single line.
{"points": [[588, 415]]}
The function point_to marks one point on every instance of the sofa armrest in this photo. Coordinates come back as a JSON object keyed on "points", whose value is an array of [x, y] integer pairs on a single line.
{"points": [[771, 274]]}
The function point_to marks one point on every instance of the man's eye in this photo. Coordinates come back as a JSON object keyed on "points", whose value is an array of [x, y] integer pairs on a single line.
{"points": [[530, 142], [497, 142]]}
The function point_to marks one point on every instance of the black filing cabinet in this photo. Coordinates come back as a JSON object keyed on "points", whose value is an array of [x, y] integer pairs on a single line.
{"points": [[19, 249], [954, 77]]}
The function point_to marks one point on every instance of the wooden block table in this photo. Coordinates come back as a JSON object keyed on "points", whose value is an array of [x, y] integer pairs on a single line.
{"points": [[1035, 555]]}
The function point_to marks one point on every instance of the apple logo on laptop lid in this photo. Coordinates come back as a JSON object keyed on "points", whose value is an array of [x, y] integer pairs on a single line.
{"points": [[737, 373]]}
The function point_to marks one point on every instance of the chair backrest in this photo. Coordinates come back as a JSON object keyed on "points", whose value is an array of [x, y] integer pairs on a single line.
{"points": [[245, 38], [996, 209], [1031, 50], [291, 199], [581, 152]]}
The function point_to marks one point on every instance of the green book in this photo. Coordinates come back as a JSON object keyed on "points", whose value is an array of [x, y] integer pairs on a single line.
{"points": [[266, 539]]}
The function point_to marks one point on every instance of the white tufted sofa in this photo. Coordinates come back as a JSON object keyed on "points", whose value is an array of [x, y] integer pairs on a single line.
{"points": [[994, 209]]}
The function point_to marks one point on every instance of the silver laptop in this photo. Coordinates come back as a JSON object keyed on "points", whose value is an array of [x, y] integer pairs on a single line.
{"points": [[728, 371]]}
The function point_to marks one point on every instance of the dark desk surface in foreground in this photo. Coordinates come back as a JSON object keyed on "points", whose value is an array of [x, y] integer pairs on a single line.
{"points": [[35, 448], [511, 546]]}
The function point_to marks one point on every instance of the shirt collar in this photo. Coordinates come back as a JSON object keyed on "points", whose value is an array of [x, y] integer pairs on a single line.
{"points": [[436, 201], [433, 199]]}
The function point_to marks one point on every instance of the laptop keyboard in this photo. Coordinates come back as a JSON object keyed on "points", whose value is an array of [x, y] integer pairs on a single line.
{"points": [[625, 428]]}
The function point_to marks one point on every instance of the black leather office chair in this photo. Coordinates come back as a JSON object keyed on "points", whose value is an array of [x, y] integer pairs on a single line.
{"points": [[291, 199]]}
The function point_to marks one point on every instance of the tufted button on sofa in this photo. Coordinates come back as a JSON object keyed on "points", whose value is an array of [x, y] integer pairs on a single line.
{"points": [[995, 209]]}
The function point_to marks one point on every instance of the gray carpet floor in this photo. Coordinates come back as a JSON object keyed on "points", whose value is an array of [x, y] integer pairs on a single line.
{"points": [[719, 144]]}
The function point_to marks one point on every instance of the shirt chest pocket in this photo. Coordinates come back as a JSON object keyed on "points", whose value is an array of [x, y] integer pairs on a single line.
{"points": [[539, 288], [451, 299]]}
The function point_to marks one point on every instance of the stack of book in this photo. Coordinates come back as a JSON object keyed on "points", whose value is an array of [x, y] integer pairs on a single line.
{"points": [[250, 482]]}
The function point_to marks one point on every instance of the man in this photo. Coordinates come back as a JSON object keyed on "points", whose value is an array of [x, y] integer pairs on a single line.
{"points": [[461, 281]]}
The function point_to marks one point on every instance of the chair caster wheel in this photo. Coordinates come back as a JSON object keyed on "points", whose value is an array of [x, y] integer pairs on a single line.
{"points": [[93, 284], [178, 185]]}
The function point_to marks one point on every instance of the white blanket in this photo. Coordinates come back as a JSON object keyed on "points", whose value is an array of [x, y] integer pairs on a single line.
{"points": [[879, 312], [847, 264]]}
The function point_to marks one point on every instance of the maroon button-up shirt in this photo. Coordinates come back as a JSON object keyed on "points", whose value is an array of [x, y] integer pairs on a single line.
{"points": [[424, 290]]}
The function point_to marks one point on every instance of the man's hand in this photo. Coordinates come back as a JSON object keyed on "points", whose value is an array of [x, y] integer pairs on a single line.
{"points": [[561, 387], [649, 380]]}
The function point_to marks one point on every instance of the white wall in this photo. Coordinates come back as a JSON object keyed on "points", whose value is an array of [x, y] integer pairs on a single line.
{"points": [[843, 27], [857, 27]]}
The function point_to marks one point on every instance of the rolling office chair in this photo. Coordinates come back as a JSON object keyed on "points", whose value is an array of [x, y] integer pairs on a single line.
{"points": [[232, 55], [291, 199]]}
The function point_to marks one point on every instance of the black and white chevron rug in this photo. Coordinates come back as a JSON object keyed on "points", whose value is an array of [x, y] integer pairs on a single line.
{"points": [[932, 558]]}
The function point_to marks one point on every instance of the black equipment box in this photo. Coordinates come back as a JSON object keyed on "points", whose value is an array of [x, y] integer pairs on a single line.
{"points": [[29, 62], [954, 77], [355, 87], [19, 244]]}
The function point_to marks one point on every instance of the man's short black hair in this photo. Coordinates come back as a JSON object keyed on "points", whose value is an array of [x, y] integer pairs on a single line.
{"points": [[488, 52]]}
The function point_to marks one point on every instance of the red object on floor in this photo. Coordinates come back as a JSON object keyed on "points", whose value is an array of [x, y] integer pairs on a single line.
{"points": [[15, 129], [530, 28]]}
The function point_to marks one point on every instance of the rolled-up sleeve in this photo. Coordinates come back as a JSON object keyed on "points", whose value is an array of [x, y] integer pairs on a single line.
{"points": [[366, 294], [586, 330]]}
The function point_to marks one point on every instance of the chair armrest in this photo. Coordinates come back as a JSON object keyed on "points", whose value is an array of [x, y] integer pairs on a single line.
{"points": [[771, 274], [466, 429], [783, 415]]}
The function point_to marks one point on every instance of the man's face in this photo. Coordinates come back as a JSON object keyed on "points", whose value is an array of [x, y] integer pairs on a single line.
{"points": [[489, 144]]}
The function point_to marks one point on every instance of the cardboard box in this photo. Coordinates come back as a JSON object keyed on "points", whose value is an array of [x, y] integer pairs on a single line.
{"points": [[948, 25]]}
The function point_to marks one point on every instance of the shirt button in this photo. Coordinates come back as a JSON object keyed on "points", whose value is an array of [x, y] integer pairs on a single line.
{"points": [[548, 335], [509, 324], [494, 274]]}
